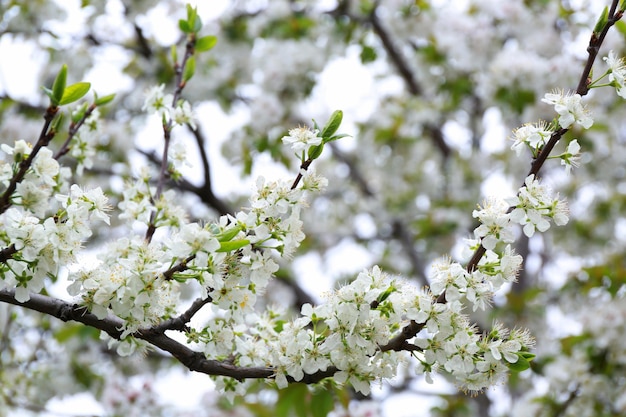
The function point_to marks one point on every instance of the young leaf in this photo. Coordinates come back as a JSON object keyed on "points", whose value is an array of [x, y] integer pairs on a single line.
{"points": [[228, 234], [193, 22], [184, 26], [233, 245], [58, 87], [57, 122], [190, 69], [101, 101], [79, 113], [333, 124], [336, 137], [602, 21], [174, 54], [315, 151], [519, 366], [50, 94], [205, 43], [74, 92]]}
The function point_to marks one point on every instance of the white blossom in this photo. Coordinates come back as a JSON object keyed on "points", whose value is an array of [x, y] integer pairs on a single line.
{"points": [[302, 138], [570, 109]]}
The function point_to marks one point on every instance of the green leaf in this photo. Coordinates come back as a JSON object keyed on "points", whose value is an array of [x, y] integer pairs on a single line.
{"points": [[174, 54], [519, 366], [79, 113], [322, 403], [50, 94], [101, 101], [193, 23], [333, 124], [228, 234], [205, 43], [184, 26], [336, 137], [190, 69], [74, 92], [233, 245], [602, 21], [291, 399], [58, 87], [315, 151], [368, 54], [197, 25], [527, 355], [522, 363], [57, 122]]}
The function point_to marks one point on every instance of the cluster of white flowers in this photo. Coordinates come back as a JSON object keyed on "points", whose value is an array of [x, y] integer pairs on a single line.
{"points": [[348, 331], [138, 204], [44, 232], [531, 135], [179, 113], [42, 179], [534, 205], [231, 259], [617, 73], [139, 281], [570, 109]]}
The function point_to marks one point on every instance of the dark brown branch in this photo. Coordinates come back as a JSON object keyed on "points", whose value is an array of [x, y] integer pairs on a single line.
{"points": [[399, 62], [396, 57], [205, 192], [303, 167], [180, 322], [7, 253], [194, 361]]}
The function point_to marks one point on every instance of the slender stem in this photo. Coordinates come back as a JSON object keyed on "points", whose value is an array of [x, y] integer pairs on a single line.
{"points": [[72, 132], [167, 131], [305, 165]]}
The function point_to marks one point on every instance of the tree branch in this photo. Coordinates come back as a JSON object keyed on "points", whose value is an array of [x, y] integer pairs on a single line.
{"points": [[194, 361]]}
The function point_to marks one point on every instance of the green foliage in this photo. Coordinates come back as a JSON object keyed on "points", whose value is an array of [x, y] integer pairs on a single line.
{"points": [[368, 54], [233, 245], [205, 43], [516, 98], [332, 125], [610, 276], [101, 101], [602, 21], [75, 330], [74, 93], [301, 401], [190, 69], [523, 361], [60, 94], [192, 24], [457, 89], [296, 26]]}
